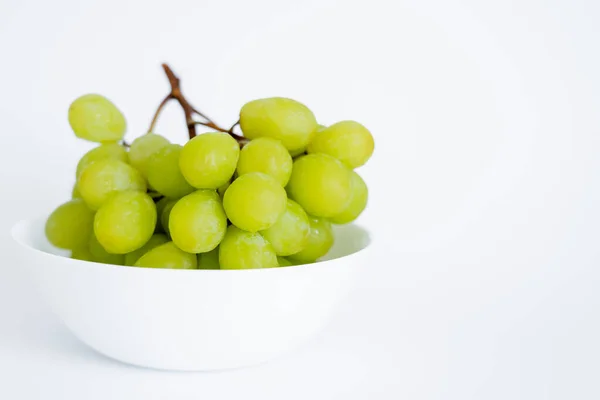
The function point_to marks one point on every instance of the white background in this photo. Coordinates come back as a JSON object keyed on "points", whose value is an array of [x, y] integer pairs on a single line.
{"points": [[484, 184]]}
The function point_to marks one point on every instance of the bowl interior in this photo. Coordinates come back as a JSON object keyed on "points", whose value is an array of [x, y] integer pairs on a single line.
{"points": [[349, 239]]}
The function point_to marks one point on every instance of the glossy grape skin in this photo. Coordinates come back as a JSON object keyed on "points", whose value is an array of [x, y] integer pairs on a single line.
{"points": [[95, 118], [321, 184], [290, 232], [348, 141], [209, 260], [319, 242], [268, 156], [102, 152], [143, 148], [125, 222], [284, 262], [245, 250], [166, 214], [164, 175], [70, 225], [197, 222], [279, 118], [208, 161], [99, 253], [357, 203], [101, 179], [254, 201], [167, 256], [156, 240]]}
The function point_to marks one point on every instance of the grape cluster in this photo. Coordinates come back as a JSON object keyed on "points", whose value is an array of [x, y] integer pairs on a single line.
{"points": [[217, 202]]}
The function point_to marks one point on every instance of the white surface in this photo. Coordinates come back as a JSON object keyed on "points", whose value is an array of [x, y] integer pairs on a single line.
{"points": [[484, 184], [192, 320]]}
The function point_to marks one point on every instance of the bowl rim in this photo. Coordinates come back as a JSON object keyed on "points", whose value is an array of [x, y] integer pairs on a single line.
{"points": [[28, 222]]}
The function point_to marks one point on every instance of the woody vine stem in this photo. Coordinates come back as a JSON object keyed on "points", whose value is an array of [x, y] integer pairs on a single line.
{"points": [[189, 111]]}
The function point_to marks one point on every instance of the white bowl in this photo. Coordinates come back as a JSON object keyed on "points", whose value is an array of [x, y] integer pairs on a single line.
{"points": [[191, 319]]}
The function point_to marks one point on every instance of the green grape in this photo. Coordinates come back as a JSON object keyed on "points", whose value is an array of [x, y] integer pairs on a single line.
{"points": [[82, 254], [102, 152], [209, 160], [278, 118], [254, 201], [93, 117], [167, 256], [197, 222], [268, 156], [319, 242], [209, 260], [155, 241], [75, 193], [125, 222], [103, 178], [358, 201], [99, 253], [164, 175], [245, 250], [70, 225], [289, 234], [321, 184], [143, 148], [166, 214], [348, 141], [284, 262]]}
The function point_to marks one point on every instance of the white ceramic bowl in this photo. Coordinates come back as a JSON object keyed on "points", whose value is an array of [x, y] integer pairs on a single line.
{"points": [[191, 319]]}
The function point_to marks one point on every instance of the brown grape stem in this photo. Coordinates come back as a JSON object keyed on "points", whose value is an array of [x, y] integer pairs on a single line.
{"points": [[189, 110]]}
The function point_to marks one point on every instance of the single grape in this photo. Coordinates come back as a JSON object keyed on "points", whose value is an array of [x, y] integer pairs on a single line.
{"points": [[125, 222], [245, 250], [167, 256], [155, 241], [166, 214], [143, 148], [70, 225], [319, 242], [289, 234], [348, 141], [93, 117], [103, 178], [254, 201], [99, 253], [358, 201], [209, 160], [268, 156], [102, 152], [284, 262], [164, 175], [321, 184], [197, 222], [209, 260], [82, 254], [278, 118]]}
